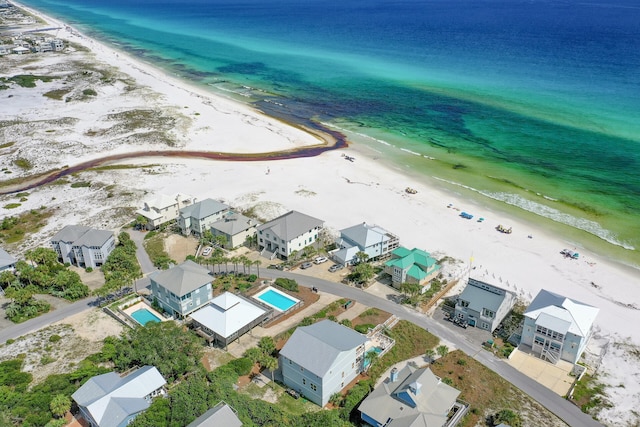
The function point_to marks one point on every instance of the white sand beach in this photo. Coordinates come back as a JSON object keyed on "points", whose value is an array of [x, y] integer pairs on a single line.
{"points": [[340, 192]]}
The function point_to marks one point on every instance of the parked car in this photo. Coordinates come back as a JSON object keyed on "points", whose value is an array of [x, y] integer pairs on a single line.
{"points": [[206, 251], [306, 265], [320, 259], [336, 267]]}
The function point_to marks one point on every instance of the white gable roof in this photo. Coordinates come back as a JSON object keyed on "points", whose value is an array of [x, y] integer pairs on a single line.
{"points": [[578, 317], [226, 314]]}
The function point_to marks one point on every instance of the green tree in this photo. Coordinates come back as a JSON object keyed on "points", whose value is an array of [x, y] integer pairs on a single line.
{"points": [[207, 237], [257, 263], [220, 240], [7, 278], [361, 273], [430, 354], [442, 350], [267, 345], [44, 256], [507, 416], [270, 363], [336, 399], [141, 222], [361, 257], [371, 357], [60, 405], [254, 354]]}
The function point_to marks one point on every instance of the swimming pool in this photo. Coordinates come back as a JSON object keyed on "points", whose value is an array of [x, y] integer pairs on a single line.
{"points": [[276, 299], [367, 361], [144, 316]]}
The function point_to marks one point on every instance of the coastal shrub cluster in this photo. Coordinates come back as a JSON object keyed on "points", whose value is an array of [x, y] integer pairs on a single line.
{"points": [[288, 284], [23, 163], [155, 248], [121, 267]]}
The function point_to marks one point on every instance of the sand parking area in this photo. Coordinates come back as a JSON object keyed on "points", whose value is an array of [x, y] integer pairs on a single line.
{"points": [[554, 377]]}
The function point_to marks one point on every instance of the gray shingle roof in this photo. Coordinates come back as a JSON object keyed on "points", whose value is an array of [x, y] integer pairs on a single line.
{"points": [[291, 225], [316, 347], [220, 415], [6, 259], [183, 278], [479, 298], [70, 233], [233, 223], [110, 399], [399, 401], [203, 209], [365, 235]]}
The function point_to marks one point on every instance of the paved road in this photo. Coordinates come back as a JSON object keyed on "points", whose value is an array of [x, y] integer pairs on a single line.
{"points": [[40, 322], [565, 410]]}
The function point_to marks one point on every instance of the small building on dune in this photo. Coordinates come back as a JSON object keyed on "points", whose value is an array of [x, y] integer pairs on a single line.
{"points": [[227, 317]]}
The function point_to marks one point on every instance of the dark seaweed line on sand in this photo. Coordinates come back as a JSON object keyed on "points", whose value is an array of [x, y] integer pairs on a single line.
{"points": [[209, 155]]}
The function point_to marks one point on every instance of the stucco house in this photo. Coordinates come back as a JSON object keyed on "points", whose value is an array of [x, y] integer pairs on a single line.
{"points": [[483, 305], [557, 327], [162, 209], [290, 232], [182, 289], [227, 317], [373, 240], [109, 400], [411, 266], [409, 398], [321, 359], [198, 217], [235, 227], [83, 246], [7, 262], [221, 415]]}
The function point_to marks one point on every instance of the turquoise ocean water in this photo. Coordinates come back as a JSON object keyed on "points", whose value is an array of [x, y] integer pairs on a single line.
{"points": [[529, 106]]}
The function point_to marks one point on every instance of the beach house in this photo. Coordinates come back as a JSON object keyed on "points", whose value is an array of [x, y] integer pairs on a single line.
{"points": [[557, 328], [321, 359], [109, 400], [227, 317], [411, 266], [483, 305], [7, 262], [198, 217], [290, 232], [221, 415], [235, 228], [162, 209], [373, 240], [83, 246], [182, 289], [409, 398]]}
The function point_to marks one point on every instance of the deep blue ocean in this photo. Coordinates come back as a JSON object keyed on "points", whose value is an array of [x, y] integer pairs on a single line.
{"points": [[532, 104]]}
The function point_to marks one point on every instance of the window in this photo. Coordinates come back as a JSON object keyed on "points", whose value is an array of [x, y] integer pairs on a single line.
{"points": [[463, 303], [353, 365], [304, 381], [341, 385], [485, 326], [488, 313], [314, 387]]}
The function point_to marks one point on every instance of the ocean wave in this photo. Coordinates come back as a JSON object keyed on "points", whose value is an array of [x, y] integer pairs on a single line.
{"points": [[548, 212], [410, 152], [381, 141]]}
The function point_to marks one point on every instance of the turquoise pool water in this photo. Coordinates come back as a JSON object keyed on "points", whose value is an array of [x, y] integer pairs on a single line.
{"points": [[367, 362], [144, 316], [277, 300]]}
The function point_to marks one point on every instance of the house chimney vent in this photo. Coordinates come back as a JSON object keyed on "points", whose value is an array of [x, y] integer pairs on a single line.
{"points": [[394, 375]]}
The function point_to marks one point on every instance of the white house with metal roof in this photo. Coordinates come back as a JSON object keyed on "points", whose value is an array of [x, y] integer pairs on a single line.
{"points": [[83, 246], [109, 400], [182, 289], [198, 217], [409, 398], [227, 317], [557, 327], [290, 232], [221, 415], [162, 209], [373, 240], [321, 359], [7, 262], [235, 227], [483, 305]]}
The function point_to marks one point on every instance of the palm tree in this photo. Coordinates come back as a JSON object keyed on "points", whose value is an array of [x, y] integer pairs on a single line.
{"points": [[59, 405], [246, 262], [442, 350], [371, 357], [270, 363], [257, 263]]}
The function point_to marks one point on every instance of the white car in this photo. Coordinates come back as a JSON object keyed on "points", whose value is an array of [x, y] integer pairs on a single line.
{"points": [[206, 251], [320, 259]]}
